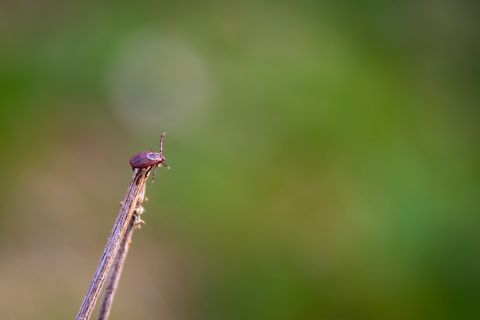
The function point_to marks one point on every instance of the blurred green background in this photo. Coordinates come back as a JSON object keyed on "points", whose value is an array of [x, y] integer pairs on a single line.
{"points": [[324, 154]]}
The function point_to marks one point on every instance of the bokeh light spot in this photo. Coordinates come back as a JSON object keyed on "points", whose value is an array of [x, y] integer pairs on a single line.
{"points": [[158, 82]]}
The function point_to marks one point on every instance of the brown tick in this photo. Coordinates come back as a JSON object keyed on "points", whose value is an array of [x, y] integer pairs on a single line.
{"points": [[149, 159]]}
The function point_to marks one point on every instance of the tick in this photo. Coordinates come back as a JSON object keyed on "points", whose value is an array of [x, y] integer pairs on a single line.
{"points": [[149, 159]]}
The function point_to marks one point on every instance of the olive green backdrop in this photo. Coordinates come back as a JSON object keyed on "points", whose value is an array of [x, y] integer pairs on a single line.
{"points": [[324, 154]]}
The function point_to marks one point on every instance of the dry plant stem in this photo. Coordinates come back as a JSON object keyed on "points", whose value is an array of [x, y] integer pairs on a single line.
{"points": [[115, 273], [113, 245], [117, 268]]}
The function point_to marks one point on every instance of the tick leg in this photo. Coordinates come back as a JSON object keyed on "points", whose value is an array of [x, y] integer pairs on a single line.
{"points": [[162, 137], [149, 169], [154, 170]]}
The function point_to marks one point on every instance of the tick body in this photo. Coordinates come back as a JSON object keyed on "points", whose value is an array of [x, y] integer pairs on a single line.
{"points": [[148, 159], [144, 160]]}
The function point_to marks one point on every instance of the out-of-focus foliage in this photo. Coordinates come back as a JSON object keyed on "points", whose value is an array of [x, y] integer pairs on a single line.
{"points": [[325, 160]]}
